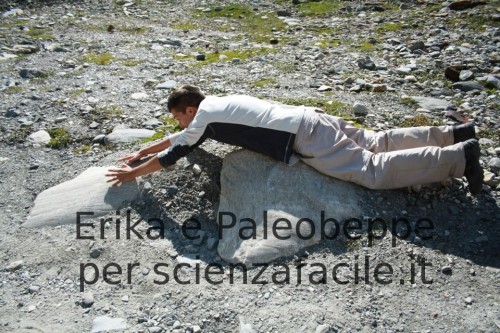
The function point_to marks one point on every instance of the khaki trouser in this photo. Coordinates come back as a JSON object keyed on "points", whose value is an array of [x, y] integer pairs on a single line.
{"points": [[378, 160]]}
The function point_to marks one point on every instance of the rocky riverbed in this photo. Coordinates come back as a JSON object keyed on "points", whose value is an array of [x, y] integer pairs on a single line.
{"points": [[85, 82]]}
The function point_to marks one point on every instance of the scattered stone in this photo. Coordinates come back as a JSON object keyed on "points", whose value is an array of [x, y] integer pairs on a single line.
{"points": [[446, 270], [87, 300], [196, 329], [359, 109], [155, 329], [494, 164], [366, 63], [96, 252], [99, 139], [105, 323], [469, 300], [196, 169], [33, 289], [452, 74], [201, 57], [152, 123], [31, 73], [465, 4], [13, 12], [466, 75], [139, 96], [492, 82], [325, 88], [379, 88], [284, 13], [468, 86], [40, 137], [127, 135], [322, 329], [430, 103], [417, 46], [125, 298], [169, 84], [14, 266], [94, 125], [12, 113]]}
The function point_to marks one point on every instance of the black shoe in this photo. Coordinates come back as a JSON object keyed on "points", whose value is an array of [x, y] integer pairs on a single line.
{"points": [[464, 132], [473, 170]]}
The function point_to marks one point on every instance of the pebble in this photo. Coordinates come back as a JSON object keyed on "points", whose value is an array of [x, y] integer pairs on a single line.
{"points": [[139, 96], [87, 300], [33, 289], [196, 169], [169, 84], [96, 252], [494, 164], [469, 300], [14, 266], [359, 109], [446, 270]]}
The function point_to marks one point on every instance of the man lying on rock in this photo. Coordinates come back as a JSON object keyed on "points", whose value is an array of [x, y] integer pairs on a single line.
{"points": [[377, 160]]}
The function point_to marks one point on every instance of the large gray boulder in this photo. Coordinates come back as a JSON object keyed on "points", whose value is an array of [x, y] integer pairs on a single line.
{"points": [[252, 184], [88, 192]]}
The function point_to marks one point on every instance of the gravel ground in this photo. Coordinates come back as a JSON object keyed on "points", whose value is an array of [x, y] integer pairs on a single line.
{"points": [[88, 66]]}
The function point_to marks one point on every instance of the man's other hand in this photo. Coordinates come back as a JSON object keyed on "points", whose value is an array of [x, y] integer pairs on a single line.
{"points": [[120, 175], [131, 158]]}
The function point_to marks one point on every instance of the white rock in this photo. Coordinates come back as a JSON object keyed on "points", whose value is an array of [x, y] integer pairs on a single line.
{"points": [[139, 96], [105, 323], [88, 192], [41, 137]]}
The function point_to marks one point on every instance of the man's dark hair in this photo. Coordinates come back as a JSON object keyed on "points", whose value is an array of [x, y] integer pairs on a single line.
{"points": [[183, 97]]}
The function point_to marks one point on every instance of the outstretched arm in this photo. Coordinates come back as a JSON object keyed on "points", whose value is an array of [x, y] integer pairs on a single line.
{"points": [[125, 174], [155, 148]]}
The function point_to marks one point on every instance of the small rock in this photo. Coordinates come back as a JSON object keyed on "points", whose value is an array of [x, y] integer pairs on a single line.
{"points": [[99, 139], [466, 75], [13, 12], [96, 252], [452, 74], [87, 300], [196, 169], [494, 164], [31, 308], [14, 266], [125, 298], [359, 109], [94, 125], [379, 88], [169, 84], [41, 137], [105, 323], [33, 289], [201, 57], [139, 96], [325, 88], [196, 329], [468, 86], [446, 270], [417, 46], [367, 63], [469, 300], [12, 113], [177, 324], [284, 13], [60, 119], [155, 329], [322, 328], [31, 73]]}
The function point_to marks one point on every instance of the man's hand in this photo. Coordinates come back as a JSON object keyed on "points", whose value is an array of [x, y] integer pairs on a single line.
{"points": [[120, 175], [131, 158]]}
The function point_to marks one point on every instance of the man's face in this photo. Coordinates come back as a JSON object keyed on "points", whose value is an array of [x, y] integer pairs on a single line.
{"points": [[184, 118]]}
